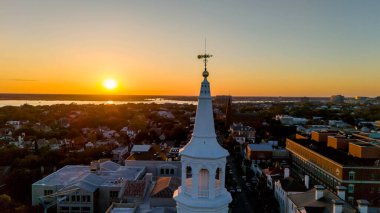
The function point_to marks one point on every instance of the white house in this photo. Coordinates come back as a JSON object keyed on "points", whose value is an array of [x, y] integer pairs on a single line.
{"points": [[85, 189], [288, 186]]}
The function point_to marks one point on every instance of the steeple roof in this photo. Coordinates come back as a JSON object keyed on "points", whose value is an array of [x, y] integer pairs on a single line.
{"points": [[203, 143]]}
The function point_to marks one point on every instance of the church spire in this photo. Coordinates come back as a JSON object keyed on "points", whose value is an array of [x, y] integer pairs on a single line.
{"points": [[203, 161], [203, 142]]}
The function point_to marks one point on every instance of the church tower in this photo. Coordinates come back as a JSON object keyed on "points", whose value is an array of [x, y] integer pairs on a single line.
{"points": [[203, 162]]}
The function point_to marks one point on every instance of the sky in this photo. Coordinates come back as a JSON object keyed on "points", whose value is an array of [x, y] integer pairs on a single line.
{"points": [[260, 47]]}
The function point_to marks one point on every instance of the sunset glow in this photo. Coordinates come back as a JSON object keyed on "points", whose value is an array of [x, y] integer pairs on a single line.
{"points": [[265, 49], [110, 84]]}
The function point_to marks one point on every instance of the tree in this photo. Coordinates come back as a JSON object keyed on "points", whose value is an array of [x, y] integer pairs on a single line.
{"points": [[5, 201]]}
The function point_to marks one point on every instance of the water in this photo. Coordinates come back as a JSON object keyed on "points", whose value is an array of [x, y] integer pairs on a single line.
{"points": [[54, 102], [49, 99]]}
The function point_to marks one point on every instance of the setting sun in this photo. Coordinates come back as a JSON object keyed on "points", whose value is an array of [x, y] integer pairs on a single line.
{"points": [[110, 84]]}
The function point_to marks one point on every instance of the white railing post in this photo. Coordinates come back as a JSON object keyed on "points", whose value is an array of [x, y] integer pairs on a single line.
{"points": [[195, 177]]}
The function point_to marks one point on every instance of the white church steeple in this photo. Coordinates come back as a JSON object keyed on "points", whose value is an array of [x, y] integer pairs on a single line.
{"points": [[203, 161]]}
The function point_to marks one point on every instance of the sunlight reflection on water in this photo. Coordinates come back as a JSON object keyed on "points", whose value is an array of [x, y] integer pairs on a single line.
{"points": [[110, 102]]}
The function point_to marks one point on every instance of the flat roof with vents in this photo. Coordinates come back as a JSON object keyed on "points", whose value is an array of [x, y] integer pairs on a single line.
{"points": [[141, 148]]}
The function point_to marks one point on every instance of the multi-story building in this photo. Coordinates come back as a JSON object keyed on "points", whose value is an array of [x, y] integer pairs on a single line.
{"points": [[84, 189], [242, 133], [155, 159], [265, 152], [333, 167]]}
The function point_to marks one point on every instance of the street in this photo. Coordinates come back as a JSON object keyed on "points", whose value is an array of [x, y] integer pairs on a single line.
{"points": [[241, 202]]}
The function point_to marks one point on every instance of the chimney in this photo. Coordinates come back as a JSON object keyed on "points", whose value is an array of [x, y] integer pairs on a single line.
{"points": [[307, 180], [363, 206], [341, 192], [95, 166], [319, 191], [337, 206], [286, 172]]}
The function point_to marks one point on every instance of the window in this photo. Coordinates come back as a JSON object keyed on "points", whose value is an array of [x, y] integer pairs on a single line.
{"points": [[114, 194], [351, 175], [78, 198], [172, 171], [48, 192], [203, 189], [372, 176], [73, 198], [86, 209], [350, 200], [64, 209], [217, 174], [88, 198], [167, 171], [75, 209], [188, 172], [162, 171], [351, 188]]}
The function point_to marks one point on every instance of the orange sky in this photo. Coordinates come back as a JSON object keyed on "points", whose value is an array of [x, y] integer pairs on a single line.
{"points": [[259, 48]]}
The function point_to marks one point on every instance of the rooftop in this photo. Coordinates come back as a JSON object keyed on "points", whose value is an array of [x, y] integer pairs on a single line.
{"points": [[154, 153], [121, 208], [109, 174], [308, 201], [240, 127], [261, 147], [339, 156], [135, 188], [140, 148], [165, 187], [290, 184]]}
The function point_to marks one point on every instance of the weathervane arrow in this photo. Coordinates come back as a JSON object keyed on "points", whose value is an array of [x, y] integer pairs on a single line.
{"points": [[205, 56]]}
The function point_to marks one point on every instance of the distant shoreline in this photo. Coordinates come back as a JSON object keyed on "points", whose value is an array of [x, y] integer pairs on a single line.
{"points": [[80, 97]]}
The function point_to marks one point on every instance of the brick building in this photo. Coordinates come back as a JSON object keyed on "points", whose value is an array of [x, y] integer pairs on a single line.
{"points": [[337, 167]]}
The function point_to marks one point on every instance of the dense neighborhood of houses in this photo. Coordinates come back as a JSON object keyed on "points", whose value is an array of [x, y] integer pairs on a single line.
{"points": [[306, 164]]}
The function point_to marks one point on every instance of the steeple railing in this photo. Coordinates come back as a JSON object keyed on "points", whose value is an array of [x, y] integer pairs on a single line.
{"points": [[218, 187], [188, 187], [203, 193]]}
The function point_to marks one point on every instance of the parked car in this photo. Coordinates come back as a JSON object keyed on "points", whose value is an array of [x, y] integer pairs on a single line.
{"points": [[238, 189]]}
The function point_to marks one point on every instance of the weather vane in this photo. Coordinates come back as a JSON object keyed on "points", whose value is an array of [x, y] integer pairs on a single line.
{"points": [[205, 57]]}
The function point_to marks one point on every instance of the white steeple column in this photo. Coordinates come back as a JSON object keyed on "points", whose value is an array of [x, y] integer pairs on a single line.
{"points": [[223, 176], [195, 178], [211, 184], [204, 155], [183, 180]]}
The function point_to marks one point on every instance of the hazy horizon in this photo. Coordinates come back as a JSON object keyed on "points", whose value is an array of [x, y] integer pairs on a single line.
{"points": [[168, 95], [261, 48]]}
